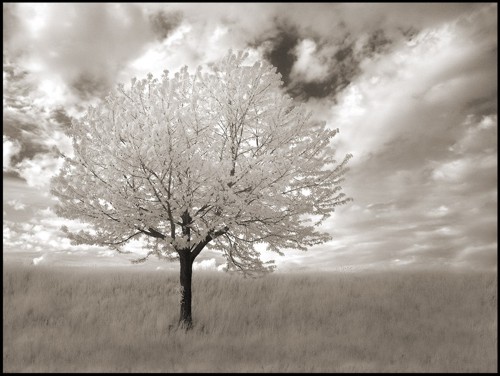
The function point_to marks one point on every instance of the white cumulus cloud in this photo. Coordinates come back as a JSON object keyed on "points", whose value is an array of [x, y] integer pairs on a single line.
{"points": [[16, 204], [38, 171], [311, 65], [10, 149], [209, 264]]}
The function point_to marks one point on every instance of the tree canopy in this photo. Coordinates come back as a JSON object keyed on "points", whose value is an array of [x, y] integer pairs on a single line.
{"points": [[221, 158]]}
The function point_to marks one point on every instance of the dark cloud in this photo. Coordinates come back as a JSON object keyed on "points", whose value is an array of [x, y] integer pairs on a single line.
{"points": [[378, 42], [163, 23], [12, 175], [354, 31], [88, 86], [28, 134], [341, 57], [343, 68], [279, 50], [61, 117], [486, 105]]}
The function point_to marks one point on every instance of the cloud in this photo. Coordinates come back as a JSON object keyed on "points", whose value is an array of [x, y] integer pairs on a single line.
{"points": [[28, 136], [209, 264], [38, 171], [137, 247], [479, 137], [106, 43], [76, 50], [203, 33], [10, 149], [106, 253], [346, 33], [395, 98], [102, 40], [33, 129], [159, 57], [16, 204], [283, 33], [462, 169], [163, 23], [310, 66], [42, 232]]}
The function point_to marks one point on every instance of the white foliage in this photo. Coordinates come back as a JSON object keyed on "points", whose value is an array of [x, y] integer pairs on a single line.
{"points": [[220, 158]]}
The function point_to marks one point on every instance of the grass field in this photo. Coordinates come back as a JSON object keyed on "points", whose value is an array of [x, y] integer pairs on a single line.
{"points": [[81, 320]]}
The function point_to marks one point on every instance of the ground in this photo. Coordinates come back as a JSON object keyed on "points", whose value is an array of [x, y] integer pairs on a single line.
{"points": [[83, 320]]}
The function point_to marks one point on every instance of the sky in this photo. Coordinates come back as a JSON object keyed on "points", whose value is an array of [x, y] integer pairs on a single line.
{"points": [[412, 87]]}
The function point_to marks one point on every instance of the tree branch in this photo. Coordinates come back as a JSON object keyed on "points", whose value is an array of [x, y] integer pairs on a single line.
{"points": [[123, 241], [211, 235]]}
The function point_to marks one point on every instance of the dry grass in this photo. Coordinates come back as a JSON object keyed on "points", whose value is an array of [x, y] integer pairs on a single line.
{"points": [[102, 321]]}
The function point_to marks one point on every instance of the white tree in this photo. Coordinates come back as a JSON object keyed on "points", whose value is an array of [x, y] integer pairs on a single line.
{"points": [[220, 159]]}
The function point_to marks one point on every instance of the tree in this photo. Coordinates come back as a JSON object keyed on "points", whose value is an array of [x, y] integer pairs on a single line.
{"points": [[219, 159]]}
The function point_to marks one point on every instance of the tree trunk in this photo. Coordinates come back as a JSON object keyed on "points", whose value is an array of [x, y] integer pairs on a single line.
{"points": [[186, 319]]}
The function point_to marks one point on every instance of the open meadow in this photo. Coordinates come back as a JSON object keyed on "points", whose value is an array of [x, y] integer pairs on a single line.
{"points": [[83, 320]]}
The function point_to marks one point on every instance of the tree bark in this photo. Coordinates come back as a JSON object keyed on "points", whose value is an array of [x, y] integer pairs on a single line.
{"points": [[186, 318]]}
